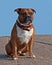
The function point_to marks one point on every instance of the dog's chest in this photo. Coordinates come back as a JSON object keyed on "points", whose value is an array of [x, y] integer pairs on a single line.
{"points": [[24, 35]]}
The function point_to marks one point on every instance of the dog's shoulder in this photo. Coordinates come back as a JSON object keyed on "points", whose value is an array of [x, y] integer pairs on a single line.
{"points": [[14, 32]]}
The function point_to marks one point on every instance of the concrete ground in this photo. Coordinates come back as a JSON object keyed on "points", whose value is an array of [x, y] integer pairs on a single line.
{"points": [[42, 48]]}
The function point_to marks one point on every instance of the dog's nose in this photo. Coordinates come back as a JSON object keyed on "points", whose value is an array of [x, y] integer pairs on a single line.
{"points": [[28, 17]]}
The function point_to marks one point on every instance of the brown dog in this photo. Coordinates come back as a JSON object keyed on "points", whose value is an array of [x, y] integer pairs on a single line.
{"points": [[22, 35]]}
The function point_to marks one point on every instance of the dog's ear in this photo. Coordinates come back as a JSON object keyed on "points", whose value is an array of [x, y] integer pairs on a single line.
{"points": [[33, 10], [17, 10]]}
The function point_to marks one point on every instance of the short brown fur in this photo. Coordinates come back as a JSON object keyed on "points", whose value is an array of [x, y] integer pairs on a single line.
{"points": [[14, 45]]}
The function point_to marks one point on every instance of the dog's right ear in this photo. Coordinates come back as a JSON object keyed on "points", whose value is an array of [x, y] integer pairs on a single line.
{"points": [[33, 10], [17, 10]]}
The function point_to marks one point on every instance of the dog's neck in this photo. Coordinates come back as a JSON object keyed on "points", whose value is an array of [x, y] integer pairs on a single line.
{"points": [[23, 26]]}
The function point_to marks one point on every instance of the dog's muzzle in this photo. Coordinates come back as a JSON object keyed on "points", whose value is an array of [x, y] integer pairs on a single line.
{"points": [[28, 19]]}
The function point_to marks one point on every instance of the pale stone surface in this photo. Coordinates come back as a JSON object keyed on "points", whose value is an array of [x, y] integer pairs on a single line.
{"points": [[42, 49]]}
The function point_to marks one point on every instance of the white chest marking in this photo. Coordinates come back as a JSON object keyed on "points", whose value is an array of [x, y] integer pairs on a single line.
{"points": [[24, 35]]}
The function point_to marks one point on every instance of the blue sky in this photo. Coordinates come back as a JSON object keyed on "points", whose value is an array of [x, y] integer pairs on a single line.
{"points": [[42, 20]]}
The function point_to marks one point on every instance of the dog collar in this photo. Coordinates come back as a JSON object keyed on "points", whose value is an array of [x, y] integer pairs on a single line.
{"points": [[23, 26]]}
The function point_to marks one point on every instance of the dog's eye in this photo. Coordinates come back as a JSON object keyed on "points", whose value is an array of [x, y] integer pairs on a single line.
{"points": [[31, 14], [24, 14]]}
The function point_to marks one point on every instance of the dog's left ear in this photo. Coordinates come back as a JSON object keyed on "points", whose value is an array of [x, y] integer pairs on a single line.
{"points": [[33, 10], [17, 10]]}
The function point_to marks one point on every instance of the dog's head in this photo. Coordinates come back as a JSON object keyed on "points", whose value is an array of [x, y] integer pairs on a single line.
{"points": [[26, 15]]}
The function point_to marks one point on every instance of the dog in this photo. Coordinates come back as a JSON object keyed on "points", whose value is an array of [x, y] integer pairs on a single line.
{"points": [[22, 34]]}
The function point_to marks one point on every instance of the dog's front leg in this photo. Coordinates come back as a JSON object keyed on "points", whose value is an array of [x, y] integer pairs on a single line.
{"points": [[14, 50], [30, 48]]}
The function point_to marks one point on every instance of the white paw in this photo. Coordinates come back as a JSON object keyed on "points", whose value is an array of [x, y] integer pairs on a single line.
{"points": [[24, 54], [33, 56], [15, 58], [19, 52]]}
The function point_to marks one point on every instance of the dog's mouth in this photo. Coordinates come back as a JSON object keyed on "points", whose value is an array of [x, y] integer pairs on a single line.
{"points": [[27, 20], [25, 23]]}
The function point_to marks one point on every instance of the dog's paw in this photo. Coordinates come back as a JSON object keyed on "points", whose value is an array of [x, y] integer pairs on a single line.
{"points": [[19, 52], [15, 58], [34, 56], [23, 54]]}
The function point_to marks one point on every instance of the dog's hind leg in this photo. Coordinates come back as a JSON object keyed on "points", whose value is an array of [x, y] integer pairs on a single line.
{"points": [[8, 49]]}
